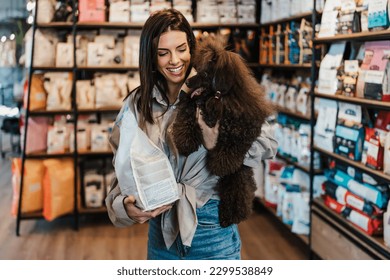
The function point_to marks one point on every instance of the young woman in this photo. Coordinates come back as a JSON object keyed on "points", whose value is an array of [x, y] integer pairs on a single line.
{"points": [[188, 229]]}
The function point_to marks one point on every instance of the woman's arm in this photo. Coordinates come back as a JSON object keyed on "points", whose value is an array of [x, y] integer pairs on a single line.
{"points": [[264, 147]]}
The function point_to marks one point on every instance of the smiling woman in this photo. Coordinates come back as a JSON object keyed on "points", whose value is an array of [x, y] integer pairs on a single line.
{"points": [[188, 228]]}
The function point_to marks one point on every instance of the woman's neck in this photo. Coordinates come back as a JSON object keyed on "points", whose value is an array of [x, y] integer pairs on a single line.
{"points": [[173, 93]]}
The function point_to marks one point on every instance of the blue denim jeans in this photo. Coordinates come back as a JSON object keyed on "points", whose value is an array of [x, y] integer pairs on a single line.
{"points": [[211, 241]]}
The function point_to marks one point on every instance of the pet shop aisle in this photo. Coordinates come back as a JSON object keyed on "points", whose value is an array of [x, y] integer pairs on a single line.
{"points": [[262, 237]]}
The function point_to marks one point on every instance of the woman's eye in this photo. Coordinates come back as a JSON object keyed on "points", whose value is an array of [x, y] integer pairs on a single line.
{"points": [[162, 54], [182, 50]]}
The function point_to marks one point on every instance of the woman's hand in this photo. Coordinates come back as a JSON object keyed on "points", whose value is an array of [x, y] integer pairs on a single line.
{"points": [[137, 214], [210, 134]]}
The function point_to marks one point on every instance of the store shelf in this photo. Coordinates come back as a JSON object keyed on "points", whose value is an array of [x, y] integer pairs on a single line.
{"points": [[359, 36], [291, 113], [98, 111], [83, 210], [374, 246], [95, 153], [57, 25], [287, 66], [356, 164], [271, 210], [119, 68], [44, 154], [297, 165], [379, 104], [50, 113], [306, 15], [51, 69]]}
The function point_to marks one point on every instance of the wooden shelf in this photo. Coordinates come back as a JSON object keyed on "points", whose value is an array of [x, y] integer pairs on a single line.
{"points": [[122, 68], [291, 113], [355, 100], [282, 20], [50, 113], [83, 210], [287, 66], [356, 164], [359, 36], [44, 154], [375, 244], [95, 153], [271, 210], [63, 25]]}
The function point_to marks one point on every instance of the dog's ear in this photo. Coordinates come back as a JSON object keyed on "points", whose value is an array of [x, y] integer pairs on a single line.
{"points": [[224, 71]]}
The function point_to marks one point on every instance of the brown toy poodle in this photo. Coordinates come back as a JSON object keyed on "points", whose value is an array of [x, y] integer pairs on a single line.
{"points": [[226, 91]]}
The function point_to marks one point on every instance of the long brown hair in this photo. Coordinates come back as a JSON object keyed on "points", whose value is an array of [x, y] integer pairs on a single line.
{"points": [[158, 23]]}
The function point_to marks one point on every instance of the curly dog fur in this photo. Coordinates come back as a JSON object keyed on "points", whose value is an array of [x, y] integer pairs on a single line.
{"points": [[226, 91]]}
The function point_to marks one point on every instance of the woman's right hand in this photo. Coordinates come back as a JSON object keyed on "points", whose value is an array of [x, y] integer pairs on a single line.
{"points": [[137, 214]]}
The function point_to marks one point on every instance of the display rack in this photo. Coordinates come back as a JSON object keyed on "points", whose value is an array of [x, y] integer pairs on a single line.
{"points": [[73, 28], [328, 227], [283, 69]]}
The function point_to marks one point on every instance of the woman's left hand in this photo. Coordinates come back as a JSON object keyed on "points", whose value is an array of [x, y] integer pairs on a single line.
{"points": [[210, 134]]}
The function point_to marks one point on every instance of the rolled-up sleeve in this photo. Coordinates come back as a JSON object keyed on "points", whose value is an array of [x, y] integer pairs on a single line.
{"points": [[264, 147], [115, 207]]}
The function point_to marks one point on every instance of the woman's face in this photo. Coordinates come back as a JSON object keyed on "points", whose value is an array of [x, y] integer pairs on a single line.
{"points": [[173, 57]]}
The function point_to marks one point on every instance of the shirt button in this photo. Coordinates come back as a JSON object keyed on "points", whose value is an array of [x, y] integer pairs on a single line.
{"points": [[173, 107]]}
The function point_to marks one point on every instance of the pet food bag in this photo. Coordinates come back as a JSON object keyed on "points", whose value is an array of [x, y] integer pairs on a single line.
{"points": [[142, 169], [58, 188]]}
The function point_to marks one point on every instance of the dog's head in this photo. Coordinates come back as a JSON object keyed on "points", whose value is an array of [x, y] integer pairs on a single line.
{"points": [[213, 64], [227, 83]]}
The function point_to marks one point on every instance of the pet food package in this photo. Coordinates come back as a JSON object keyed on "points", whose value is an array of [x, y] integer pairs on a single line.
{"points": [[375, 194], [346, 17], [58, 86], [349, 134], [378, 18], [329, 20], [371, 225], [46, 9], [37, 93], [93, 189], [386, 156], [58, 188], [142, 169], [45, 55], [373, 75], [119, 11], [333, 204], [345, 197], [64, 55], [273, 169], [32, 195], [85, 94], [37, 134], [92, 11], [301, 213], [324, 130], [386, 226], [351, 72], [327, 79]]}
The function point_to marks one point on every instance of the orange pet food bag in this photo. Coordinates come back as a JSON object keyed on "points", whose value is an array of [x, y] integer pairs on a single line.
{"points": [[58, 188], [32, 197]]}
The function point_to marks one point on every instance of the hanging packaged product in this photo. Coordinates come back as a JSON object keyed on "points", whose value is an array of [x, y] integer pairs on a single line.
{"points": [[329, 20]]}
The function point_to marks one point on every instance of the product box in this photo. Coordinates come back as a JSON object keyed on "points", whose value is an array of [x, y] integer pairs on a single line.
{"points": [[92, 11]]}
